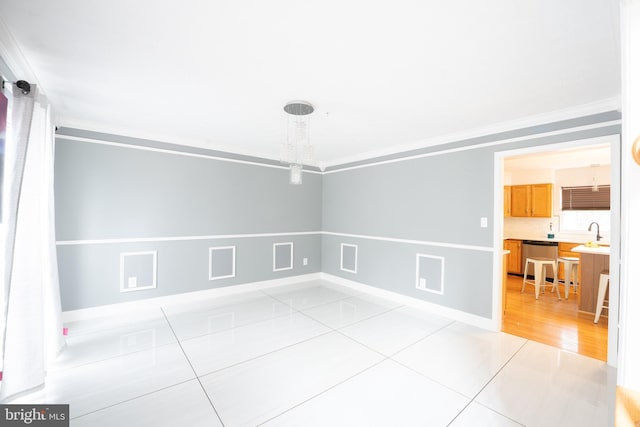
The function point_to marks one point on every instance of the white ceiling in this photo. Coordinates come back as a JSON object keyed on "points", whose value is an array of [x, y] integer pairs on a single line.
{"points": [[568, 158], [382, 75]]}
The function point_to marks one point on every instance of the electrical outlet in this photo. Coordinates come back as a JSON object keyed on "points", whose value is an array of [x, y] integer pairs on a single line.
{"points": [[484, 222], [132, 282], [423, 282], [305, 261]]}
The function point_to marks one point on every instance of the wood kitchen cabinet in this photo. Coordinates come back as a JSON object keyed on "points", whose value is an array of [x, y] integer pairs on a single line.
{"points": [[533, 200], [507, 200], [514, 259]]}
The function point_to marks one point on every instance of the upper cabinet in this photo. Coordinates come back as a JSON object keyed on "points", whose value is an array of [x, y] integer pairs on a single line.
{"points": [[507, 200], [532, 200]]}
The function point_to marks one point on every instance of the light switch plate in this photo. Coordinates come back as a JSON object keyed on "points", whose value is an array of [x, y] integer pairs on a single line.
{"points": [[305, 261], [484, 222]]}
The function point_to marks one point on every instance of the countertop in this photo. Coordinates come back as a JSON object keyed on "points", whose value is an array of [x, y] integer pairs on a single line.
{"points": [[600, 250], [558, 238]]}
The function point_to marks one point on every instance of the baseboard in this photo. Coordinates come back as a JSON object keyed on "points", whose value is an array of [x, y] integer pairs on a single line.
{"points": [[150, 304], [471, 319]]}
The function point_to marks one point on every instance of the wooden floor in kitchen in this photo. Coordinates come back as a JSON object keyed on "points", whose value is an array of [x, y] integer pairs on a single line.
{"points": [[553, 322]]}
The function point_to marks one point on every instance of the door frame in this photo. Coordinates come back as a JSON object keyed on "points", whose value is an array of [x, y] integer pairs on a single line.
{"points": [[614, 285]]}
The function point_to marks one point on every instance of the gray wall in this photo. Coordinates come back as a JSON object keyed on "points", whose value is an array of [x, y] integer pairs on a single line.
{"points": [[437, 200], [167, 202]]}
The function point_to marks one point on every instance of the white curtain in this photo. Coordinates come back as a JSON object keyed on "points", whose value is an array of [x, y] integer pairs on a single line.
{"points": [[32, 333]]}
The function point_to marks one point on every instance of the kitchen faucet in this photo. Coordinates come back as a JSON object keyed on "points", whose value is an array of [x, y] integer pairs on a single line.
{"points": [[598, 236]]}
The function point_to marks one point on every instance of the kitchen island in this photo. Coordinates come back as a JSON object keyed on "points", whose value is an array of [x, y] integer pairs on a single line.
{"points": [[593, 261]]}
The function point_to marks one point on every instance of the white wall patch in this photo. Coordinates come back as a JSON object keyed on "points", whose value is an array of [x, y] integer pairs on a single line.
{"points": [[222, 262], [138, 271], [430, 273], [349, 258], [283, 256]]}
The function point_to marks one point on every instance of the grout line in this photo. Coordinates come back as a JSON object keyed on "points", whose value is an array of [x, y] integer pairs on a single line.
{"points": [[492, 410], [133, 398], [237, 326], [115, 356], [322, 392], [435, 331], [429, 378], [268, 353], [489, 382], [332, 329], [346, 336], [191, 365], [313, 306]]}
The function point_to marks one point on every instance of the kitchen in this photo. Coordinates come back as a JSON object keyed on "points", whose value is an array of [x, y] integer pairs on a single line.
{"points": [[555, 204]]}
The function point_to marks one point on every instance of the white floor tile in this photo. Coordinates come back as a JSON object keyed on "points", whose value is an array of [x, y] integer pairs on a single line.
{"points": [[97, 385], [212, 352], [476, 415], [262, 360], [394, 330], [344, 312], [544, 386], [385, 395], [310, 294], [310, 284], [461, 357], [117, 340], [257, 390], [108, 323], [184, 404], [215, 316]]}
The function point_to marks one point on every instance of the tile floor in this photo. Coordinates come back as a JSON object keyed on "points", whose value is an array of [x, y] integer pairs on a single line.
{"points": [[316, 354]]}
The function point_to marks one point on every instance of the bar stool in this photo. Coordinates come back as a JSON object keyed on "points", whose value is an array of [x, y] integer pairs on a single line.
{"points": [[539, 268], [570, 271], [602, 290]]}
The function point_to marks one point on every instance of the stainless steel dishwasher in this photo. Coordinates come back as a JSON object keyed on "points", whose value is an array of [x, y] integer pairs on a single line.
{"points": [[541, 249]]}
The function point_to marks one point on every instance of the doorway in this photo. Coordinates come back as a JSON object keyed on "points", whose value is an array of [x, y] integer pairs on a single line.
{"points": [[560, 323]]}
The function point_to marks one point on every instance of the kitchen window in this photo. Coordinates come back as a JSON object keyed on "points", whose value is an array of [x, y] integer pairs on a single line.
{"points": [[583, 205]]}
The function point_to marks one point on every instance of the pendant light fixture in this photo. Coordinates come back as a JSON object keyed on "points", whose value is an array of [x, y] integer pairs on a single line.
{"points": [[298, 149]]}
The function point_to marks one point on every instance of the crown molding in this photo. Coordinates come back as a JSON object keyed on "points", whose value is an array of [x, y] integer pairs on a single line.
{"points": [[168, 139], [602, 106]]}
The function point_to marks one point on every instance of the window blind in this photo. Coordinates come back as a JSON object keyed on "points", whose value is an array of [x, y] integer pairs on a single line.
{"points": [[585, 199]]}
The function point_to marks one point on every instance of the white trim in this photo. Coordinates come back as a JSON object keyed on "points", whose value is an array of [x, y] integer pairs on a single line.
{"points": [[290, 267], [424, 288], [15, 60], [183, 298], [153, 284], [233, 262], [606, 105], [602, 106], [243, 236], [475, 146], [629, 316], [355, 269], [179, 238], [498, 227], [437, 309], [412, 242], [73, 123], [177, 152]]}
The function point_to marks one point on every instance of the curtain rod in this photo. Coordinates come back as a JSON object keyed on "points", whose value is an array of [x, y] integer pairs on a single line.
{"points": [[23, 85]]}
